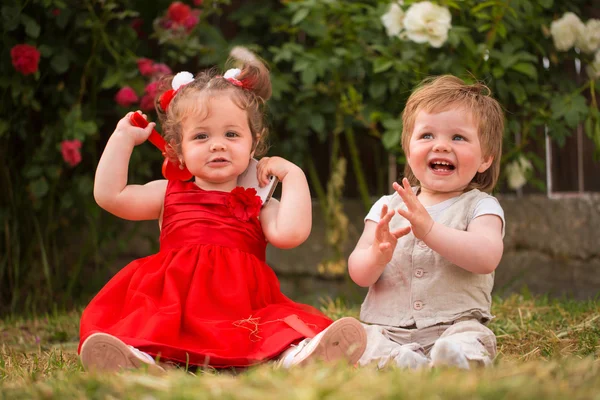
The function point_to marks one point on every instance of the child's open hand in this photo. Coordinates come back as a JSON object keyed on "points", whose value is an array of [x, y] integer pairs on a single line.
{"points": [[273, 166], [420, 220], [385, 240], [138, 135]]}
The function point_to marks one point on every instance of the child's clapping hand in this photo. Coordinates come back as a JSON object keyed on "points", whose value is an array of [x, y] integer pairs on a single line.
{"points": [[385, 240], [420, 220]]}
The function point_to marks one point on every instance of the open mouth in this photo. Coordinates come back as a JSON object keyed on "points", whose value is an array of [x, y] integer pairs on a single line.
{"points": [[441, 165]]}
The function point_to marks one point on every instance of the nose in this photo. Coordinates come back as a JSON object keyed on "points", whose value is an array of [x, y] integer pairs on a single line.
{"points": [[441, 146], [217, 146]]}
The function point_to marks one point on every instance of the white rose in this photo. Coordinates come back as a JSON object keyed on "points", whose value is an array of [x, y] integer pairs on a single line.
{"points": [[589, 39], [515, 172], [566, 30], [393, 20], [593, 70], [427, 22]]}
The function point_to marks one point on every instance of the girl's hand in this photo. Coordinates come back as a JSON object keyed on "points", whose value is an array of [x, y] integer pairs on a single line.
{"points": [[273, 166], [385, 241], [420, 220], [139, 135]]}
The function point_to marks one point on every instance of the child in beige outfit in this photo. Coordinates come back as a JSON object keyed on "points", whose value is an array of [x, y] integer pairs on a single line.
{"points": [[429, 251]]}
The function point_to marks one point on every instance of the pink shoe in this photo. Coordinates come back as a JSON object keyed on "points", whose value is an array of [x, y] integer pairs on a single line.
{"points": [[344, 339], [104, 352]]}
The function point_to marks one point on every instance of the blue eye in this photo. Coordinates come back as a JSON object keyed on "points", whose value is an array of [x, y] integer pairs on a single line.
{"points": [[426, 136], [458, 137]]}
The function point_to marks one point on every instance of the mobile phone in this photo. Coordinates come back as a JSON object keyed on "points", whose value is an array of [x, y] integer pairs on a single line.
{"points": [[249, 179]]}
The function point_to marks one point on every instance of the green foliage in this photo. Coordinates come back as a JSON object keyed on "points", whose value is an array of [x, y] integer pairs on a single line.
{"points": [[335, 71]]}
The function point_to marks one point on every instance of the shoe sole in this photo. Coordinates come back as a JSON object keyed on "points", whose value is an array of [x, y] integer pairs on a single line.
{"points": [[103, 352], [344, 339]]}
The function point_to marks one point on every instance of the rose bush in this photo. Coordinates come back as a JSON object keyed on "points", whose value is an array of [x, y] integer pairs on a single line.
{"points": [[341, 73]]}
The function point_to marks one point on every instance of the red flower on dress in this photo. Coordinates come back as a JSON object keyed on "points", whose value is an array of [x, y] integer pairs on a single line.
{"points": [[70, 151], [126, 97], [25, 58], [244, 204], [178, 12]]}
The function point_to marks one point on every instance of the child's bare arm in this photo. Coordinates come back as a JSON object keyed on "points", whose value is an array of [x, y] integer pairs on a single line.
{"points": [[374, 249], [111, 192], [478, 249], [286, 223]]}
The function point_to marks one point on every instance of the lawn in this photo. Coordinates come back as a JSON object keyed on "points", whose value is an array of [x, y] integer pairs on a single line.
{"points": [[548, 349]]}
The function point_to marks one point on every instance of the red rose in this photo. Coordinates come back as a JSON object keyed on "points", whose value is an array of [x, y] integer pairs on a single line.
{"points": [[190, 22], [197, 2], [56, 12], [161, 69], [147, 102], [70, 151], [244, 204], [25, 58], [178, 12], [145, 66], [126, 97], [136, 24]]}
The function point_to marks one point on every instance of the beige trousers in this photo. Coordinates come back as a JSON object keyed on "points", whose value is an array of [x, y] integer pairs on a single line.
{"points": [[410, 348]]}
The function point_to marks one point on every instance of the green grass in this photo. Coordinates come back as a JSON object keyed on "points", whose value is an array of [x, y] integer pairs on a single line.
{"points": [[547, 349]]}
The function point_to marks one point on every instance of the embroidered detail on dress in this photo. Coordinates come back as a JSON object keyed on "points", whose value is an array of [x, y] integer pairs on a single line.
{"points": [[244, 204], [253, 325]]}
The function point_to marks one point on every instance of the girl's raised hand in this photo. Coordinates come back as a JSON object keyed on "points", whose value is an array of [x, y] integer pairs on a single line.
{"points": [[273, 166], [138, 135], [420, 220], [385, 240]]}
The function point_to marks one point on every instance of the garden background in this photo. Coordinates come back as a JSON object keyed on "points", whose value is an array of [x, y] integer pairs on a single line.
{"points": [[341, 72]]}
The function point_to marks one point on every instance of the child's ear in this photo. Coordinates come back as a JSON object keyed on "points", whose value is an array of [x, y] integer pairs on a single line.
{"points": [[485, 164]]}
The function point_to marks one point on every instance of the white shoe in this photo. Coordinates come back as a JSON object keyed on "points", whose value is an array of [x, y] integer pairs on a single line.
{"points": [[104, 352], [344, 339], [446, 353]]}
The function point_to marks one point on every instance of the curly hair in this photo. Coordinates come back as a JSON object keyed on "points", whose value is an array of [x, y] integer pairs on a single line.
{"points": [[437, 94], [251, 98]]}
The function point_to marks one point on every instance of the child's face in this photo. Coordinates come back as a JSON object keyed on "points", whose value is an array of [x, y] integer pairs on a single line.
{"points": [[216, 148], [444, 150]]}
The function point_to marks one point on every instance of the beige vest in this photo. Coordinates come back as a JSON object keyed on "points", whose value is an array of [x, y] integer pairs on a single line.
{"points": [[420, 287]]}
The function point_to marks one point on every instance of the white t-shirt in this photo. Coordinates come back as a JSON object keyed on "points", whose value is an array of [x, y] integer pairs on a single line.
{"points": [[486, 206]]}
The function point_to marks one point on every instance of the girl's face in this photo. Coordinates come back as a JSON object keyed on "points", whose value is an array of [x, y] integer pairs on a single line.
{"points": [[444, 151], [217, 146]]}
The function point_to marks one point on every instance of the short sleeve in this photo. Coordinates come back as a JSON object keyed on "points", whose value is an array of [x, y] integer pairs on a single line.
{"points": [[375, 211], [490, 206]]}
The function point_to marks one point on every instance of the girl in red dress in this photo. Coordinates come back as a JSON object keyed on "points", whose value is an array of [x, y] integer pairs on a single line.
{"points": [[208, 298]]}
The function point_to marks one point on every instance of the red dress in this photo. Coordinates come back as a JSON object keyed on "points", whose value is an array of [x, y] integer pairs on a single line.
{"points": [[207, 297]]}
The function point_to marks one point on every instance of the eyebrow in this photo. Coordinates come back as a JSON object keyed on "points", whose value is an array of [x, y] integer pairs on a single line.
{"points": [[455, 129]]}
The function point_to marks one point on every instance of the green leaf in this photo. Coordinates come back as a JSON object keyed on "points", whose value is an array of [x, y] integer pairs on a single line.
{"points": [[60, 63], [10, 17], [589, 127], [300, 15], [111, 79], [317, 123], [377, 89], [45, 50], [392, 124], [547, 4], [526, 69], [381, 65], [39, 187], [391, 139], [32, 28]]}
